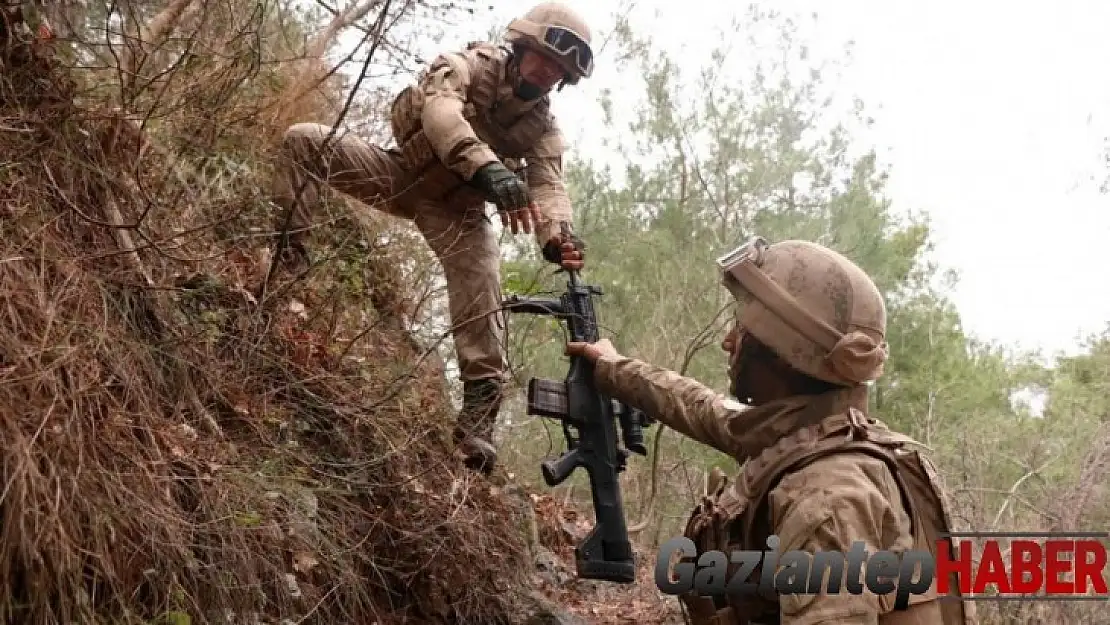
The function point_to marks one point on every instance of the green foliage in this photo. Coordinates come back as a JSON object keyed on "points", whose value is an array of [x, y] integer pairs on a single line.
{"points": [[712, 161], [1082, 385], [175, 618], [714, 157]]}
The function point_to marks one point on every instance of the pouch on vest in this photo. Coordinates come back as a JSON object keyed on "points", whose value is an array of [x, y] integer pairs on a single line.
{"points": [[747, 523], [710, 526]]}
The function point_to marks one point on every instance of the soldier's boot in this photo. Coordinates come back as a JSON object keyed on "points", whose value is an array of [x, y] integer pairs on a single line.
{"points": [[473, 433]]}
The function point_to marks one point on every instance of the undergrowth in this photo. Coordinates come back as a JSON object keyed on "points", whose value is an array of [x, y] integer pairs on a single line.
{"points": [[178, 448]]}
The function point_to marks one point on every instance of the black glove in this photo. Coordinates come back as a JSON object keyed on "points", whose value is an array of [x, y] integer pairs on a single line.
{"points": [[502, 187], [553, 251]]}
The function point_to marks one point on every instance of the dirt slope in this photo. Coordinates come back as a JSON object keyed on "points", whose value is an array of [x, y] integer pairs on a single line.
{"points": [[183, 446], [178, 450]]}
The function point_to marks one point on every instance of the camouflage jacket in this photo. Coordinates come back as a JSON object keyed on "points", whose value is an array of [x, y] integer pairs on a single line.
{"points": [[462, 114], [818, 473]]}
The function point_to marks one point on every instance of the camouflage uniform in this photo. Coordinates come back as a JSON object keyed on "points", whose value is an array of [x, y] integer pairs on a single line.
{"points": [[463, 114], [818, 471]]}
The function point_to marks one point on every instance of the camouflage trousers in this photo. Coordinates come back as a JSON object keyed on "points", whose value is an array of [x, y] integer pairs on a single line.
{"points": [[457, 230]]}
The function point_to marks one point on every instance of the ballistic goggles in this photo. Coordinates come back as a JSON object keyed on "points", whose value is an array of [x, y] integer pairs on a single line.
{"points": [[738, 266], [568, 45]]}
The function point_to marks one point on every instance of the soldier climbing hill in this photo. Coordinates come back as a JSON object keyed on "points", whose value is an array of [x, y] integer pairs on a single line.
{"points": [[476, 127]]}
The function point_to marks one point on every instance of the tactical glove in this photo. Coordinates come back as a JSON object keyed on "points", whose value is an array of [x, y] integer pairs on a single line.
{"points": [[502, 187]]}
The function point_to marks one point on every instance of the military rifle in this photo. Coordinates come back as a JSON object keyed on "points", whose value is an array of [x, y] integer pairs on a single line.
{"points": [[606, 553]]}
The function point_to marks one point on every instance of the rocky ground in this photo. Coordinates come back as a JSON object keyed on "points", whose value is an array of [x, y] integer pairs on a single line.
{"points": [[556, 530]]}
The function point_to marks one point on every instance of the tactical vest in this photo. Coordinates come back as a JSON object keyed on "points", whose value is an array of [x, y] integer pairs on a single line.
{"points": [[510, 139], [738, 517]]}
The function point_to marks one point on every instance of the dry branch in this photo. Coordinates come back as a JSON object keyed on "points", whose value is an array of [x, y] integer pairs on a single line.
{"points": [[135, 47], [168, 440], [1095, 468], [309, 72]]}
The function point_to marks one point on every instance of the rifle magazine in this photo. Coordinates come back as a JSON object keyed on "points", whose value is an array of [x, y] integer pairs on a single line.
{"points": [[547, 398]]}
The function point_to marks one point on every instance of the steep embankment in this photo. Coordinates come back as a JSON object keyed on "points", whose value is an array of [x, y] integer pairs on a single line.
{"points": [[179, 449], [188, 438]]}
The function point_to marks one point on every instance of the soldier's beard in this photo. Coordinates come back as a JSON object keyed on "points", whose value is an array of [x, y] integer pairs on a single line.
{"points": [[738, 384], [743, 399], [522, 88], [741, 390], [527, 91]]}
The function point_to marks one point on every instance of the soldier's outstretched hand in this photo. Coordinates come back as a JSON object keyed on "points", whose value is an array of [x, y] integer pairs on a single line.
{"points": [[521, 219], [510, 194], [592, 351]]}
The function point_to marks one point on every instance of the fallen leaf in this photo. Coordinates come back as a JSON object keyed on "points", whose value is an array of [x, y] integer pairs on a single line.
{"points": [[304, 562], [297, 308]]}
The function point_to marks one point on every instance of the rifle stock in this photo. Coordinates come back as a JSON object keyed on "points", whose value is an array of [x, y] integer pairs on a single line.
{"points": [[606, 553]]}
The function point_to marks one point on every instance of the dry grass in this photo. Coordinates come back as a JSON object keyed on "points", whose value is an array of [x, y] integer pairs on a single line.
{"points": [[173, 447]]}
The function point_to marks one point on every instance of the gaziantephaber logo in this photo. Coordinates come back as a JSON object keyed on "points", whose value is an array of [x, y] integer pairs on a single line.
{"points": [[1010, 566]]}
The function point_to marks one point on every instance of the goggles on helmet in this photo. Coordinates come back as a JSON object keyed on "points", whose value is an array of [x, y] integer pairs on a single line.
{"points": [[750, 252], [742, 274], [567, 44]]}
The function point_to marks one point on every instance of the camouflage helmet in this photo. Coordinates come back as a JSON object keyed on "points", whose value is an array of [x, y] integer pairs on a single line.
{"points": [[557, 31], [810, 305]]}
